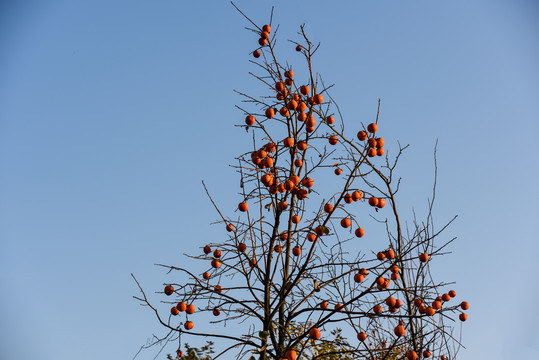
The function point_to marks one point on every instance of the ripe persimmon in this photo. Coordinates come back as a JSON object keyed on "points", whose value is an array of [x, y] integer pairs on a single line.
{"points": [[315, 334], [288, 142], [362, 336], [399, 331], [411, 355], [216, 312], [380, 142], [181, 306], [169, 290], [380, 152], [302, 145], [266, 28], [338, 171], [242, 247], [430, 311], [279, 86], [373, 201], [390, 254], [256, 54], [348, 198], [278, 248], [358, 278], [291, 355], [452, 293], [215, 263], [188, 325], [330, 120], [296, 219], [270, 113], [324, 305], [463, 317], [318, 99], [394, 276], [345, 223], [206, 249], [289, 185], [464, 305], [360, 232], [381, 256], [302, 116], [282, 205], [289, 74], [229, 227], [262, 42], [243, 207], [292, 105], [296, 251], [302, 194], [424, 258], [298, 163], [377, 309], [174, 311], [264, 35], [298, 48], [217, 254], [357, 195], [333, 140], [372, 128], [372, 142], [446, 297], [426, 354], [190, 309], [284, 112], [436, 305], [288, 81], [267, 179], [307, 182], [391, 302], [206, 276], [362, 135], [310, 122], [218, 289], [339, 307], [268, 162], [372, 152], [179, 353]]}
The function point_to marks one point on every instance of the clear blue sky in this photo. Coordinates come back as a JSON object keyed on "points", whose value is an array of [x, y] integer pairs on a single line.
{"points": [[112, 112]]}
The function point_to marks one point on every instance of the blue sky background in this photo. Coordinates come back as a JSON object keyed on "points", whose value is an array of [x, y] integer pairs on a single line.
{"points": [[112, 112]]}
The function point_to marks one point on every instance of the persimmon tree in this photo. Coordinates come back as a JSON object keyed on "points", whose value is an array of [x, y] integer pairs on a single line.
{"points": [[287, 267]]}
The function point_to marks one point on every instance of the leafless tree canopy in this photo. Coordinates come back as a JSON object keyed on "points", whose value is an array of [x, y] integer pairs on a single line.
{"points": [[287, 267]]}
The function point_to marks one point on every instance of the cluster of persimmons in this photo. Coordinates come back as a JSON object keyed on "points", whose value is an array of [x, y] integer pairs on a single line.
{"points": [[282, 172]]}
